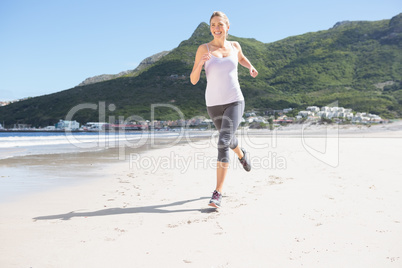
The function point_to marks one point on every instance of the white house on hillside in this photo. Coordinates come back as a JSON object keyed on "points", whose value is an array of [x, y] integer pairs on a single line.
{"points": [[313, 109], [327, 112], [365, 118]]}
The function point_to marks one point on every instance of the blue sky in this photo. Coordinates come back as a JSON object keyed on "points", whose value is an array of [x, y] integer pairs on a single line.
{"points": [[49, 46]]}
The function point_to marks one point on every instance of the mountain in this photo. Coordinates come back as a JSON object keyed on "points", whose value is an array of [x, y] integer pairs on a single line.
{"points": [[143, 65], [357, 63]]}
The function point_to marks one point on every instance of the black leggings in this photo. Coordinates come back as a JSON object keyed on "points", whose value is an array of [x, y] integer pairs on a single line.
{"points": [[226, 119]]}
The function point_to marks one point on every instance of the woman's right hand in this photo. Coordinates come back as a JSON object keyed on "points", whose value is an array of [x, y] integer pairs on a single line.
{"points": [[206, 57]]}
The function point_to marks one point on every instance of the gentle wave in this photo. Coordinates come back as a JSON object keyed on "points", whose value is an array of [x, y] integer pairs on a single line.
{"points": [[102, 139], [11, 142], [23, 144]]}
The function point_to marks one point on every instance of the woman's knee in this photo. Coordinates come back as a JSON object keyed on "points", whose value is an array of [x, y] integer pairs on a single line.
{"points": [[223, 155], [233, 143]]}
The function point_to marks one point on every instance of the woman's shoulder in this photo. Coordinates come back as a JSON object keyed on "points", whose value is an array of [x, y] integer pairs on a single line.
{"points": [[235, 44], [203, 47]]}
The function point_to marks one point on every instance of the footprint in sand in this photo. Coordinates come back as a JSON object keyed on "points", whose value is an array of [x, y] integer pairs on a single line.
{"points": [[273, 180]]}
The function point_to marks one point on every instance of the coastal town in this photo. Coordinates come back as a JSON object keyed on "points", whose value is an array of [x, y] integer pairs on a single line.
{"points": [[253, 119]]}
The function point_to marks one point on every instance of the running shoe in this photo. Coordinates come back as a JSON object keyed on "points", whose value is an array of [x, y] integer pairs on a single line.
{"points": [[215, 200], [245, 161]]}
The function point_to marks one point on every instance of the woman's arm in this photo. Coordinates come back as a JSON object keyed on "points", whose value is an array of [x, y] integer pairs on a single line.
{"points": [[201, 57], [244, 61]]}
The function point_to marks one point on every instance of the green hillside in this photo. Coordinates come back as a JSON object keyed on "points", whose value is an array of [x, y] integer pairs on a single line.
{"points": [[358, 64]]}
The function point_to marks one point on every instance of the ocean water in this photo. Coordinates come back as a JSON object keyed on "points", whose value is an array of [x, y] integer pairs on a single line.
{"points": [[13, 144]]}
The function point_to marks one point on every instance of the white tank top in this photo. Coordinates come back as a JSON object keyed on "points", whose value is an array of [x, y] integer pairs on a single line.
{"points": [[222, 80]]}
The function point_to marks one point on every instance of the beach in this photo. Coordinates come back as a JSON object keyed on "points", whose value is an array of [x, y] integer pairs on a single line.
{"points": [[317, 196]]}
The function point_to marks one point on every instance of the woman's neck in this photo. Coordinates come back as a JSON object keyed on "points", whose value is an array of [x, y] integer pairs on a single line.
{"points": [[219, 43]]}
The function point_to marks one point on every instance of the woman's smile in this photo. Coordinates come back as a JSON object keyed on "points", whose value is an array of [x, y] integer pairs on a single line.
{"points": [[218, 27]]}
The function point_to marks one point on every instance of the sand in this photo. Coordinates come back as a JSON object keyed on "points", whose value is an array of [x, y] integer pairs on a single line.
{"points": [[309, 201]]}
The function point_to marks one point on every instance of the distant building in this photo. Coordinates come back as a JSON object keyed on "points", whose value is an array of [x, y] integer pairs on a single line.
{"points": [[326, 109], [366, 118], [286, 110], [95, 126], [306, 113], [327, 112], [274, 112], [67, 125], [250, 114], [313, 109], [256, 119]]}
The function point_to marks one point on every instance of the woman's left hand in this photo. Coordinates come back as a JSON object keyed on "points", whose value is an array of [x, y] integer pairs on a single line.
{"points": [[253, 72]]}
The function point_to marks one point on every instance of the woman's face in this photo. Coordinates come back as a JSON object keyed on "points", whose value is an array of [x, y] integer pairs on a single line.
{"points": [[218, 27]]}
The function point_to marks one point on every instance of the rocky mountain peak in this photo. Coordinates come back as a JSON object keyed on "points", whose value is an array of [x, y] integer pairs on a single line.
{"points": [[202, 29], [396, 23], [341, 23]]}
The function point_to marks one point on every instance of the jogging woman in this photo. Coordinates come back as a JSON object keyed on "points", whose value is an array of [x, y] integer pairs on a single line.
{"points": [[224, 99]]}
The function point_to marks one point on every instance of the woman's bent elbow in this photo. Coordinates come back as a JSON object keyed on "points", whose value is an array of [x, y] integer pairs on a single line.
{"points": [[193, 80]]}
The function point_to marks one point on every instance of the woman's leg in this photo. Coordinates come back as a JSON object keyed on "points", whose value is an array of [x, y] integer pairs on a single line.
{"points": [[238, 152], [221, 171], [226, 119], [235, 113]]}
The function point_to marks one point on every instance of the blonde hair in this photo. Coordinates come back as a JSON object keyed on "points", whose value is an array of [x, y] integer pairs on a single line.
{"points": [[220, 14]]}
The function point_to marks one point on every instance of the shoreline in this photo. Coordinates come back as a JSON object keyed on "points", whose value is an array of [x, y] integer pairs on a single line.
{"points": [[174, 129]]}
